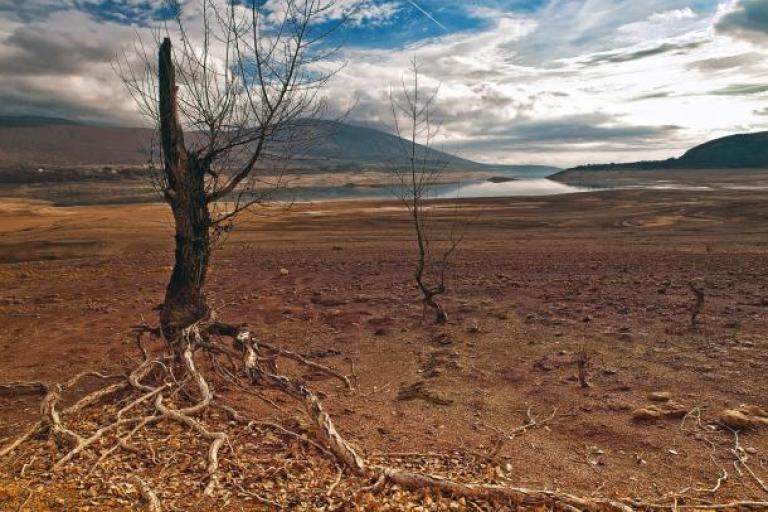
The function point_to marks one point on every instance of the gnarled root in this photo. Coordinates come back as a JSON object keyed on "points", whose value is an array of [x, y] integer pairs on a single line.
{"points": [[23, 388], [51, 418], [151, 501], [348, 456], [158, 391]]}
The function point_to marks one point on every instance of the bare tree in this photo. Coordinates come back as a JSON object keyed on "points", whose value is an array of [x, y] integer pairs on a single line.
{"points": [[415, 178], [698, 303], [583, 361], [240, 95]]}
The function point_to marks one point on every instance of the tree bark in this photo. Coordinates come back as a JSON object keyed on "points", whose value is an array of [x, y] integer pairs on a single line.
{"points": [[429, 293], [185, 302]]}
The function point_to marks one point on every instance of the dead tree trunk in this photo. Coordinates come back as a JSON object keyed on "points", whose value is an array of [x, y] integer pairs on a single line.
{"points": [[429, 293], [698, 303], [185, 303]]}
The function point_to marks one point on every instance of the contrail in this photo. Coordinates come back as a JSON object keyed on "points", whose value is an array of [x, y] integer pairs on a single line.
{"points": [[426, 13]]}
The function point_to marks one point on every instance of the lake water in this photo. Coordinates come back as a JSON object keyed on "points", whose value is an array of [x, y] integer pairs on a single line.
{"points": [[472, 189]]}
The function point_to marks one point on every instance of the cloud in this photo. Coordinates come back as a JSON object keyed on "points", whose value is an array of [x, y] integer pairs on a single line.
{"points": [[653, 96], [548, 81], [562, 141], [740, 90], [741, 60], [61, 65], [501, 95], [747, 20], [60, 62], [357, 12], [130, 12], [53, 47], [630, 55], [569, 28], [375, 12], [29, 10], [576, 129]]}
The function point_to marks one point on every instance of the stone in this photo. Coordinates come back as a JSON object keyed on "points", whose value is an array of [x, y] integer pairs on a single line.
{"points": [[735, 419], [745, 417], [646, 414], [659, 396]]}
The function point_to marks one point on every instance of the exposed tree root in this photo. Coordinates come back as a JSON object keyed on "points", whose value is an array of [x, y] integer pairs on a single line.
{"points": [[418, 481], [306, 362], [151, 501], [51, 417], [23, 388], [232, 331], [154, 393], [409, 480]]}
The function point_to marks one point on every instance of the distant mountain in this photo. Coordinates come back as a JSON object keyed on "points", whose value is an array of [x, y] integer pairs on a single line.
{"points": [[742, 151], [346, 146], [37, 141]]}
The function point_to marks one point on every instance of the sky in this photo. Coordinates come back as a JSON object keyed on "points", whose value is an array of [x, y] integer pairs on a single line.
{"points": [[556, 82]]}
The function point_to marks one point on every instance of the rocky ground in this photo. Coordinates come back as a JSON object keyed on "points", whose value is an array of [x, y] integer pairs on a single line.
{"points": [[539, 286]]}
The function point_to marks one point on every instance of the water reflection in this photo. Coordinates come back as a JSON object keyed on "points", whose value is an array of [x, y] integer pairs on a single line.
{"points": [[473, 189], [534, 187]]}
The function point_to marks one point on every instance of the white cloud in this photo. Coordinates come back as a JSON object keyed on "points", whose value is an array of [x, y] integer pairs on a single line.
{"points": [[626, 76], [356, 11], [578, 81]]}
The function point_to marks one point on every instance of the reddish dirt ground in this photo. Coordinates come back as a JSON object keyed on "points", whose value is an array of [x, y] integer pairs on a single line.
{"points": [[536, 281]]}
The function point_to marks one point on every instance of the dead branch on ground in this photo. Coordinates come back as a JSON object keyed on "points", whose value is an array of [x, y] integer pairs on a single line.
{"points": [[151, 394]]}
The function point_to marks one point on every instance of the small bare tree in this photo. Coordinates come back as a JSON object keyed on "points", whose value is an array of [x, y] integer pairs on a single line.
{"points": [[583, 361], [698, 302], [240, 96], [415, 177]]}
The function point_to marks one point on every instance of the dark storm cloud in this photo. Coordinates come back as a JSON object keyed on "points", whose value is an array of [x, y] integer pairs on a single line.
{"points": [[628, 56], [749, 20], [56, 50], [61, 66], [20, 100], [595, 128]]}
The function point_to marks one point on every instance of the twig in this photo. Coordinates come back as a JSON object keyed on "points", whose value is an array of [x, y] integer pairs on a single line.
{"points": [[723, 477], [30, 492], [306, 362], [335, 482], [741, 458], [150, 498]]}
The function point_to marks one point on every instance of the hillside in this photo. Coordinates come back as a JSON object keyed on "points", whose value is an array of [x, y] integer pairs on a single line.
{"points": [[737, 151], [741, 151], [28, 143]]}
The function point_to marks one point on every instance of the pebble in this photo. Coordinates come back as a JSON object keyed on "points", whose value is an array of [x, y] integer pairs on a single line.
{"points": [[659, 396], [646, 414]]}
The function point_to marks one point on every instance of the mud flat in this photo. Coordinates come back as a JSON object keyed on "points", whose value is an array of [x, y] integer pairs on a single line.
{"points": [[536, 281], [705, 179]]}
